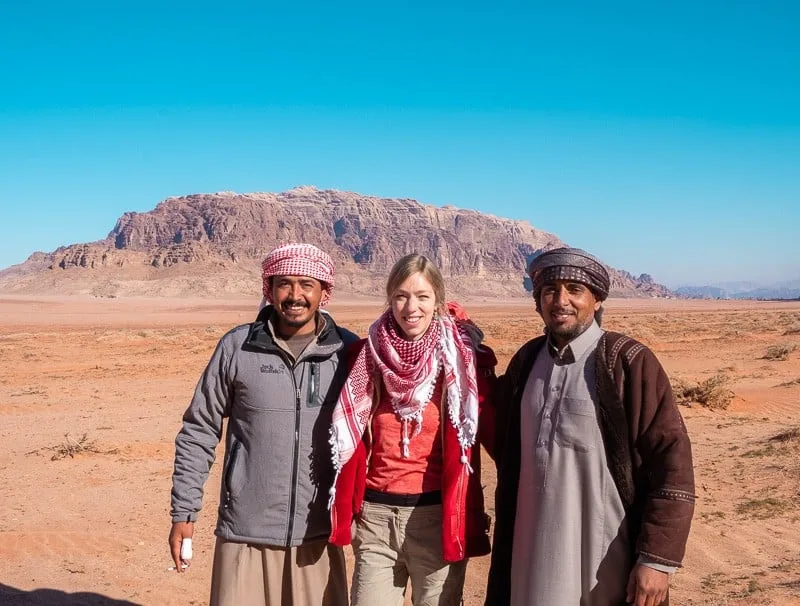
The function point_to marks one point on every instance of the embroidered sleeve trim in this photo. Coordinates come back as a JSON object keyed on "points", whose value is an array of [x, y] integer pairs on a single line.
{"points": [[675, 495], [634, 351], [615, 349]]}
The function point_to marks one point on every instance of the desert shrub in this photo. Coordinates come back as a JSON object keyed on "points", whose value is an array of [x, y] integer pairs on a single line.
{"points": [[712, 392], [791, 383], [794, 329], [790, 435], [71, 447], [779, 352]]}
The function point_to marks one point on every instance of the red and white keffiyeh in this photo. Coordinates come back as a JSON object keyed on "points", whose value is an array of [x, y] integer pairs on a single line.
{"points": [[408, 371], [298, 259]]}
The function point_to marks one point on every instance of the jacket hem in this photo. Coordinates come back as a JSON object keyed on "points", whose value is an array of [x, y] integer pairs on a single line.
{"points": [[268, 541]]}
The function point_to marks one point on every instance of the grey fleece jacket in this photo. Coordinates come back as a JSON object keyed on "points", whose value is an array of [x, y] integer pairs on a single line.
{"points": [[277, 468]]}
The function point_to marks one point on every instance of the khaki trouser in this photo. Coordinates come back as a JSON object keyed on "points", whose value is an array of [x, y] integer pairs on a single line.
{"points": [[258, 575], [391, 545]]}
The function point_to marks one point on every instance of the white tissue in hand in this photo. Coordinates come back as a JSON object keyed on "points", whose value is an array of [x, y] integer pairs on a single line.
{"points": [[186, 549]]}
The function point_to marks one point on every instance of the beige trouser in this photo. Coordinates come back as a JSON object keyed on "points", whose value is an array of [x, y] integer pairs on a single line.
{"points": [[257, 575], [392, 544]]}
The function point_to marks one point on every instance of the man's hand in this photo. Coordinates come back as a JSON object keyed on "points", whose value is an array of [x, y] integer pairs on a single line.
{"points": [[647, 586], [178, 532]]}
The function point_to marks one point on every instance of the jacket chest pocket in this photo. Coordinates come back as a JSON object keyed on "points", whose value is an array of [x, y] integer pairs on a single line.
{"points": [[269, 386], [577, 424], [319, 388], [312, 388]]}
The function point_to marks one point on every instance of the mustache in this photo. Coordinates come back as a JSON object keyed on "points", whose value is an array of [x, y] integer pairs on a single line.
{"points": [[293, 302]]}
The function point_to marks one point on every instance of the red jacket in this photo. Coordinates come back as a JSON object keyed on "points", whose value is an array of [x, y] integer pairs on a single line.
{"points": [[465, 524]]}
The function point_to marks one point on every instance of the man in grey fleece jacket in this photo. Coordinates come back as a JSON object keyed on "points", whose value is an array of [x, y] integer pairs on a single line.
{"points": [[275, 380]]}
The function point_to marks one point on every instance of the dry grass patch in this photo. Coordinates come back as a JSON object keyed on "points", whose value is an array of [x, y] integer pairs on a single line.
{"points": [[711, 393], [710, 516], [763, 509], [29, 391], [712, 582], [794, 329], [71, 447], [752, 587], [790, 322], [768, 450], [779, 353], [790, 435]]}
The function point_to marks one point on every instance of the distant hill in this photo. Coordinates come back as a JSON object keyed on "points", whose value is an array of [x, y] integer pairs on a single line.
{"points": [[742, 290], [212, 244], [702, 292]]}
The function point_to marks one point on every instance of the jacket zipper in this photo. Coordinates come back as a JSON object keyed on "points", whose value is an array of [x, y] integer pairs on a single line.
{"points": [[293, 495]]}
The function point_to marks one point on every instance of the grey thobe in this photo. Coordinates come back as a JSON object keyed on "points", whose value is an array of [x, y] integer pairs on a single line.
{"points": [[570, 544]]}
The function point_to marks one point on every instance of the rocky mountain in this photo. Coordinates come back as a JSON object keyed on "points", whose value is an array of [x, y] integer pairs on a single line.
{"points": [[212, 244]]}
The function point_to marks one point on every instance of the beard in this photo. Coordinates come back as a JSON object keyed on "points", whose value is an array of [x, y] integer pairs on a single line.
{"points": [[570, 332]]}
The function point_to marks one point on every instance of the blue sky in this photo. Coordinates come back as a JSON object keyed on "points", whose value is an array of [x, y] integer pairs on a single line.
{"points": [[665, 139]]}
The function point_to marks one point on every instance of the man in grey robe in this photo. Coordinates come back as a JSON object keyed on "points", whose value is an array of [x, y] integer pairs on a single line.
{"points": [[572, 529]]}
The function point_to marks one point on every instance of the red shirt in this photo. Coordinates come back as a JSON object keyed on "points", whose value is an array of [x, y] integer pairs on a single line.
{"points": [[421, 472]]}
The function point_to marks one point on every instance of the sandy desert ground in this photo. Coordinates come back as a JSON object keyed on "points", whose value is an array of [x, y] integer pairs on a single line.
{"points": [[88, 524]]}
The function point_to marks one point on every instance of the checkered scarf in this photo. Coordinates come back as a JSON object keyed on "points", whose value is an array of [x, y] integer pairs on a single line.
{"points": [[408, 368], [298, 259], [408, 371]]}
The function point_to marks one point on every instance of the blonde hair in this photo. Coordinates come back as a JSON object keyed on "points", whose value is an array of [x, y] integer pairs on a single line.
{"points": [[416, 264]]}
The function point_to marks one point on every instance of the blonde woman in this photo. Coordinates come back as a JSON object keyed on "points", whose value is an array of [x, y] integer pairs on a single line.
{"points": [[404, 445]]}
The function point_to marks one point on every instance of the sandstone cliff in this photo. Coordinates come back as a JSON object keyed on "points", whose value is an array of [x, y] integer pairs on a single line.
{"points": [[212, 244]]}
